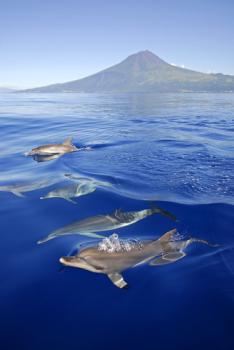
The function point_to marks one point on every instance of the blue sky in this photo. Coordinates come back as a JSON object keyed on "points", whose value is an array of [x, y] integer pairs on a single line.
{"points": [[47, 41]]}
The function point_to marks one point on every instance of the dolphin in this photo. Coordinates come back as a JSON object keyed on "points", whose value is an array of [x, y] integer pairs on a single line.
{"points": [[71, 191], [97, 183], [99, 223], [53, 149], [20, 188], [114, 257]]}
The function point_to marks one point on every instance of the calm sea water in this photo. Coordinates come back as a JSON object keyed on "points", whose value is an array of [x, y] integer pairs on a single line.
{"points": [[175, 150]]}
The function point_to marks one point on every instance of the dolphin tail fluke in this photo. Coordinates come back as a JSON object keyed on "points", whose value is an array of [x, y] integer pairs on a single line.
{"points": [[117, 280], [202, 241], [157, 210]]}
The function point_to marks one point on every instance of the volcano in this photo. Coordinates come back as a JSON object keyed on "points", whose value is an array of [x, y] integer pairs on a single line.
{"points": [[145, 72]]}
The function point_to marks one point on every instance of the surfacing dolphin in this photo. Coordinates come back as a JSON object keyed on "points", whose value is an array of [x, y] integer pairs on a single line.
{"points": [[18, 189], [113, 257], [51, 150], [100, 223], [71, 191]]}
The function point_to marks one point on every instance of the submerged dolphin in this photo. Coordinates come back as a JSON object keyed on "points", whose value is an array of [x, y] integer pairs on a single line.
{"points": [[97, 183], [19, 189], [71, 191], [85, 186], [53, 149], [99, 223], [113, 261]]}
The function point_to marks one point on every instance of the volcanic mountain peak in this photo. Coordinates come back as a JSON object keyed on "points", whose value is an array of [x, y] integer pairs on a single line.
{"points": [[141, 61], [144, 72]]}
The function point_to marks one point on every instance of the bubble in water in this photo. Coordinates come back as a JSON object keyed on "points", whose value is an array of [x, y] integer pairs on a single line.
{"points": [[177, 237], [113, 244]]}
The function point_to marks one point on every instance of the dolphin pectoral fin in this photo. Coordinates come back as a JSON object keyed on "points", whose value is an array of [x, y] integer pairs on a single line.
{"points": [[68, 141], [18, 194], [117, 280], [91, 234], [167, 259], [69, 200]]}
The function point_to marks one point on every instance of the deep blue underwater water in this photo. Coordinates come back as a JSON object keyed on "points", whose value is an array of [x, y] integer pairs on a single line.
{"points": [[173, 150]]}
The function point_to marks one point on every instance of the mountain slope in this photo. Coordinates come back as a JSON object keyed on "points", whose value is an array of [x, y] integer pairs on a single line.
{"points": [[5, 89], [145, 72]]}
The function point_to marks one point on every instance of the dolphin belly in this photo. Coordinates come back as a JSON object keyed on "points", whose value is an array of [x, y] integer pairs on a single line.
{"points": [[87, 226]]}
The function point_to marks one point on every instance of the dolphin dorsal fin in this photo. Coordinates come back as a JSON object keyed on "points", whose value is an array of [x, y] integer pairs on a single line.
{"points": [[68, 141], [118, 212], [168, 235]]}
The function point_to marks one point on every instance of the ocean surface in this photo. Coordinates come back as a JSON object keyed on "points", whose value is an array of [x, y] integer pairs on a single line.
{"points": [[171, 150]]}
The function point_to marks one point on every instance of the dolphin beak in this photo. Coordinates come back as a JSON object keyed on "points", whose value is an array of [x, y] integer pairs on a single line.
{"points": [[65, 260], [62, 260]]}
